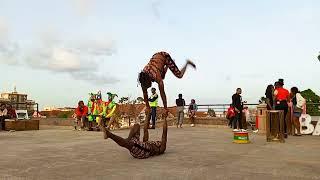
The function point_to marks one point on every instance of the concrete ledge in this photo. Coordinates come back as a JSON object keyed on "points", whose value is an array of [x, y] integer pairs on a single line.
{"points": [[56, 121], [171, 122]]}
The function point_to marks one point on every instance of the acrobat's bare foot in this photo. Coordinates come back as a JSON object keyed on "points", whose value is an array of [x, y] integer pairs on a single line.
{"points": [[191, 63], [104, 130]]}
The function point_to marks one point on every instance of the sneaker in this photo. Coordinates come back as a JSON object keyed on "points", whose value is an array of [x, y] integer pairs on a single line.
{"points": [[256, 131], [236, 130], [192, 125], [243, 130]]}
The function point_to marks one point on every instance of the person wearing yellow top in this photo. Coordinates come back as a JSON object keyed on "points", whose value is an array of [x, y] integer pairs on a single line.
{"points": [[153, 102], [109, 109]]}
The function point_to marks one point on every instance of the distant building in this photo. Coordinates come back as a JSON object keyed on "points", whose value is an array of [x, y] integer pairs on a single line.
{"points": [[59, 109], [17, 100]]}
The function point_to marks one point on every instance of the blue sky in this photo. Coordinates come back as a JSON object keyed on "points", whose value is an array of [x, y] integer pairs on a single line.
{"points": [[59, 51]]}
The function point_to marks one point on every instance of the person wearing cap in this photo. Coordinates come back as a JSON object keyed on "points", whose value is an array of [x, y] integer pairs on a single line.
{"points": [[282, 97], [153, 102]]}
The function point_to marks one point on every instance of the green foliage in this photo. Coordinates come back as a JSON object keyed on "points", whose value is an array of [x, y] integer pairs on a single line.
{"points": [[263, 99], [211, 112], [313, 101], [123, 100], [140, 100]]}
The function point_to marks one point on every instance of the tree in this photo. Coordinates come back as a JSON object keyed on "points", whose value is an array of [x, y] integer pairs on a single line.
{"points": [[263, 99], [313, 101], [211, 112], [123, 100], [140, 100]]}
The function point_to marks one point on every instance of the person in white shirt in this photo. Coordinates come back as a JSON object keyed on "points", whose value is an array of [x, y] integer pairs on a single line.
{"points": [[3, 116], [298, 103]]}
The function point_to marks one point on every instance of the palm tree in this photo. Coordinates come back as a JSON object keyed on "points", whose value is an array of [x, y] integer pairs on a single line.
{"points": [[123, 100], [140, 100]]}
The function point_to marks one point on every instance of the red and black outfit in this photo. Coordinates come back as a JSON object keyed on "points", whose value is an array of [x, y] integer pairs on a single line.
{"points": [[281, 103]]}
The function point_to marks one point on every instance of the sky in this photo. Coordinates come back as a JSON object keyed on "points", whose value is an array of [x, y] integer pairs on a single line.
{"points": [[59, 51]]}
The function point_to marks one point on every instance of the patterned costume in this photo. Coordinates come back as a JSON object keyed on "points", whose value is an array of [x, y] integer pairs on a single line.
{"points": [[143, 150], [158, 66]]}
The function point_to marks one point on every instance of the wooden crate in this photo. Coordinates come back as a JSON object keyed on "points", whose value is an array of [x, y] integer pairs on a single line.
{"points": [[275, 126]]}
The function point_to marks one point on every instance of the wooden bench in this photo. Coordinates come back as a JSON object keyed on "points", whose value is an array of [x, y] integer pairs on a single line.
{"points": [[21, 125]]}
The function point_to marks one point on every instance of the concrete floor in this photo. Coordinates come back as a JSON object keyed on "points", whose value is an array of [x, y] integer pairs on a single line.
{"points": [[192, 153]]}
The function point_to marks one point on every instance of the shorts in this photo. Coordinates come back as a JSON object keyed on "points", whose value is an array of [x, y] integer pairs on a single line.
{"points": [[297, 114]]}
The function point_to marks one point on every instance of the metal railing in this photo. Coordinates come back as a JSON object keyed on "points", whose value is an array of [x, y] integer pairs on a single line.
{"points": [[220, 110]]}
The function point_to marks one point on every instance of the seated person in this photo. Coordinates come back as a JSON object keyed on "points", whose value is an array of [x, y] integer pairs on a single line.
{"points": [[11, 112], [3, 116], [81, 115]]}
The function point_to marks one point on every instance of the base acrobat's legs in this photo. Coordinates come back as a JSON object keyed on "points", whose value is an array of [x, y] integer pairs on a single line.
{"points": [[119, 140]]}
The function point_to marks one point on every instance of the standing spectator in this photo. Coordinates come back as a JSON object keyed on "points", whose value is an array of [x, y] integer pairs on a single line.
{"points": [[153, 102], [193, 107], [3, 116], [298, 103], [238, 107], [269, 97], [180, 110], [281, 102], [11, 112], [81, 113]]}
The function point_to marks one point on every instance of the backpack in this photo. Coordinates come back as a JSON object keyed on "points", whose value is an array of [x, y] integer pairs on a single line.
{"points": [[231, 113]]}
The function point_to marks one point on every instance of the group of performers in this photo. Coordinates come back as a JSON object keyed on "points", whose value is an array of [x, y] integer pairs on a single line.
{"points": [[97, 112], [154, 71]]}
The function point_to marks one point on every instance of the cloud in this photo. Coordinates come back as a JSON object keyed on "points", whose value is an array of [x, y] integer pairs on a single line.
{"points": [[8, 53], [4, 29], [83, 7], [8, 49], [94, 78], [155, 5], [81, 59]]}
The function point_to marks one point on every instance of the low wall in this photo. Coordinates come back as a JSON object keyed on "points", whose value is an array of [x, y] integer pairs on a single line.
{"points": [[171, 121], [56, 121]]}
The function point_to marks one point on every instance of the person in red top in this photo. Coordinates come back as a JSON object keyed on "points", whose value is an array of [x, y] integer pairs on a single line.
{"points": [[282, 97], [81, 113]]}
